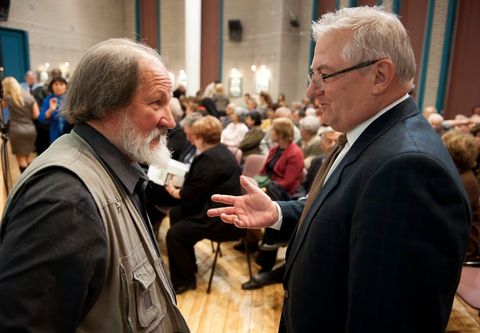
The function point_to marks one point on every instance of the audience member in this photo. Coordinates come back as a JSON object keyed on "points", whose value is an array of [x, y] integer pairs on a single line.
{"points": [[220, 99], [76, 250], [464, 151], [176, 136], [214, 169], [310, 142], [23, 109], [250, 143], [233, 134], [189, 151], [429, 110], [386, 215], [30, 83], [50, 110], [436, 121]]}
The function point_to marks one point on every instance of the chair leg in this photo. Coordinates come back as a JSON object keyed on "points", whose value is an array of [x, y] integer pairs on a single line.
{"points": [[247, 253], [213, 247], [213, 267]]}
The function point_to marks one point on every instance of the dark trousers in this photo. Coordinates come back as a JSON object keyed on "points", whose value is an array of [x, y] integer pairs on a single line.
{"points": [[181, 238]]}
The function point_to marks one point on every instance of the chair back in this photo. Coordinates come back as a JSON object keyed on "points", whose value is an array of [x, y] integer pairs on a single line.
{"points": [[253, 165]]}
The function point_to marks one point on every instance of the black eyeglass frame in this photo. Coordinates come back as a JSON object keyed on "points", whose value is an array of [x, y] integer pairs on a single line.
{"points": [[311, 73]]}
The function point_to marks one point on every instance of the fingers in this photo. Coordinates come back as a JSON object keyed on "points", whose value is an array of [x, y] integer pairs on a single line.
{"points": [[225, 199], [219, 211]]}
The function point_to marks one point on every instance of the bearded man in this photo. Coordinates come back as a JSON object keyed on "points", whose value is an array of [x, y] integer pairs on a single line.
{"points": [[77, 252]]}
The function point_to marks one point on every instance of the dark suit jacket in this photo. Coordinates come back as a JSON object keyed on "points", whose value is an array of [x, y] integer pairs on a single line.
{"points": [[382, 246]]}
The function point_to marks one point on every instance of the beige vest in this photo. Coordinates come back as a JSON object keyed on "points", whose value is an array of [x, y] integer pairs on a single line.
{"points": [[137, 295]]}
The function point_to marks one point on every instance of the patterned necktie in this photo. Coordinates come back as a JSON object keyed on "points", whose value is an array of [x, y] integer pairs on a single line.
{"points": [[321, 175]]}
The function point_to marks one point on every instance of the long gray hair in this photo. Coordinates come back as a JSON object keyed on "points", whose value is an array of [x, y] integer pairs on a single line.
{"points": [[105, 80]]}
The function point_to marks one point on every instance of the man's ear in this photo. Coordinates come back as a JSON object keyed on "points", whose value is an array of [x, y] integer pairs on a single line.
{"points": [[384, 75]]}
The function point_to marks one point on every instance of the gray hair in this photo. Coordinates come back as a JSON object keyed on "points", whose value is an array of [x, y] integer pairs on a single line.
{"points": [[189, 120], [241, 113], [283, 112], [106, 79], [377, 34], [176, 109], [311, 124]]}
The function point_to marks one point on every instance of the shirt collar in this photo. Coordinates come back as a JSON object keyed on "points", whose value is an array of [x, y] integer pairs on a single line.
{"points": [[127, 172], [355, 133]]}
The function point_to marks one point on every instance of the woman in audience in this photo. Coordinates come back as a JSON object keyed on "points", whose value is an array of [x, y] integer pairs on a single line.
{"points": [[233, 134], [214, 170], [220, 99], [50, 110], [284, 165], [250, 143], [463, 149], [23, 109]]}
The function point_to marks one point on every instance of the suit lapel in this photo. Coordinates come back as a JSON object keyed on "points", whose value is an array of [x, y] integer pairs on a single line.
{"points": [[381, 125]]}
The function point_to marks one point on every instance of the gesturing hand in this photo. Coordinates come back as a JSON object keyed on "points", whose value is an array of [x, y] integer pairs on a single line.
{"points": [[252, 210]]}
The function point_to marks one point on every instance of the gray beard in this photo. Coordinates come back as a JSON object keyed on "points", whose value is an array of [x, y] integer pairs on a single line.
{"points": [[137, 148]]}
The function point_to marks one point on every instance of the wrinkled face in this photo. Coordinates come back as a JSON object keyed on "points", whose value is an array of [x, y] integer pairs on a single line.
{"points": [[59, 88], [144, 123], [344, 100]]}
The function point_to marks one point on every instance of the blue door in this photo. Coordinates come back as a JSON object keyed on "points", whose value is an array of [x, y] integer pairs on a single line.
{"points": [[14, 53]]}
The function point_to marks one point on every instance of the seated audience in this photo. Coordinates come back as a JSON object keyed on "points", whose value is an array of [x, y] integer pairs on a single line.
{"points": [[214, 170], [464, 152], [220, 99], [176, 136], [436, 121], [310, 142], [250, 143], [233, 134], [23, 109]]}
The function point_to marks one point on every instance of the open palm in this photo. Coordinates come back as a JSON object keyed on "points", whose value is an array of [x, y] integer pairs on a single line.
{"points": [[253, 210]]}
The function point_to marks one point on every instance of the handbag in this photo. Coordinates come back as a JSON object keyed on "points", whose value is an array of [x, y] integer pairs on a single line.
{"points": [[262, 181]]}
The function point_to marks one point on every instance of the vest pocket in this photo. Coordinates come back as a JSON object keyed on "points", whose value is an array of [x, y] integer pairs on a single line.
{"points": [[146, 309], [149, 305]]}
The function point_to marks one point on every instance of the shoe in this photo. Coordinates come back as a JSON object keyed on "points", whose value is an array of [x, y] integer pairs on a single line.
{"points": [[181, 289], [252, 247], [258, 281]]}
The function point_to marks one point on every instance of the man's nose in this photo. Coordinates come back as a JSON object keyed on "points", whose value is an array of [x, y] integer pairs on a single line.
{"points": [[167, 120], [314, 90]]}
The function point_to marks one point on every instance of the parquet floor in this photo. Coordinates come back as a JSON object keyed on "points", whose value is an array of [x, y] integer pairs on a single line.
{"points": [[228, 308]]}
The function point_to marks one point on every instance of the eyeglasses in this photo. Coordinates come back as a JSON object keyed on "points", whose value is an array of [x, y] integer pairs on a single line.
{"points": [[318, 78]]}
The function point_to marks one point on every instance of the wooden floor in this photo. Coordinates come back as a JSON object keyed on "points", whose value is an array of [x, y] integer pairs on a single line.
{"points": [[228, 308]]}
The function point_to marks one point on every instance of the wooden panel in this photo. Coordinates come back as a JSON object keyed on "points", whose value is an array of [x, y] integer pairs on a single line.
{"points": [[149, 24], [413, 15], [463, 87], [370, 3], [209, 46], [326, 6]]}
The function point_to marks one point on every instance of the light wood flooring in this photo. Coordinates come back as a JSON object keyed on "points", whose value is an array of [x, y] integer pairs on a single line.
{"points": [[228, 308]]}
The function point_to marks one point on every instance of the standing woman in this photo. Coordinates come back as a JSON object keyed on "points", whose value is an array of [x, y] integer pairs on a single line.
{"points": [[50, 110], [23, 109]]}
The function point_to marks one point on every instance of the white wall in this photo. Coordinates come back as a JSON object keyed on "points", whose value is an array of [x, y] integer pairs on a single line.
{"points": [[61, 31]]}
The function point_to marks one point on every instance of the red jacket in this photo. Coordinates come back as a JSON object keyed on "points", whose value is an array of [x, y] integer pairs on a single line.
{"points": [[288, 171]]}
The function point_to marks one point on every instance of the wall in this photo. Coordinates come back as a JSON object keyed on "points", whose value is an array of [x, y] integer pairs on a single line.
{"points": [[60, 31]]}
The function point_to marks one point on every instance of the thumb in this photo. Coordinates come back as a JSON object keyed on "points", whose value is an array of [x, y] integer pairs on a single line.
{"points": [[248, 185]]}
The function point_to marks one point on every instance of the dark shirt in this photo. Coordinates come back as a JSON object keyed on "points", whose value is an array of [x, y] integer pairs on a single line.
{"points": [[271, 165], [53, 247]]}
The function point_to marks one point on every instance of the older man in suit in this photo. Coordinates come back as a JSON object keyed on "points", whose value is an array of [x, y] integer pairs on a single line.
{"points": [[380, 240]]}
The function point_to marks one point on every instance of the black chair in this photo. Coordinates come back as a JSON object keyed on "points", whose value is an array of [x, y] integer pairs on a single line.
{"points": [[217, 252]]}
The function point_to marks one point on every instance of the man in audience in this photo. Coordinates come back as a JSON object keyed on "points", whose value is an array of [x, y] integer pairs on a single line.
{"points": [[381, 238], [76, 248], [30, 82], [436, 121]]}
